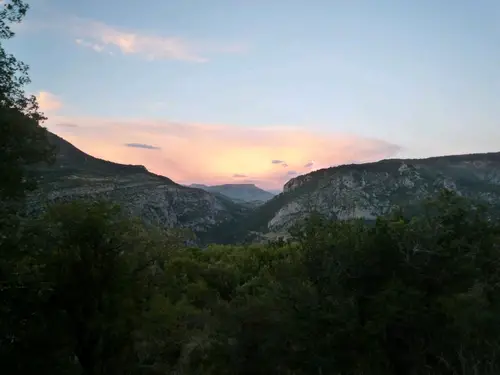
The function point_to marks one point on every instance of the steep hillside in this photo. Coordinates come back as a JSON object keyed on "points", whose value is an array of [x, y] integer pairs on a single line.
{"points": [[240, 193], [156, 199], [372, 189]]}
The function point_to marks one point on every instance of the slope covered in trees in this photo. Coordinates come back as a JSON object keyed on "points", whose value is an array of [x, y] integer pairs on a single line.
{"points": [[88, 292]]}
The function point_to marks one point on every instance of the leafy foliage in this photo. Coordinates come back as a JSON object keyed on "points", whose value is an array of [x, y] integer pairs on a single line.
{"points": [[22, 140], [402, 296]]}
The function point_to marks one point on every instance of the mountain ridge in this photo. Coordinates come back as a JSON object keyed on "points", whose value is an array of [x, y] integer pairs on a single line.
{"points": [[154, 198], [452, 157], [370, 189]]}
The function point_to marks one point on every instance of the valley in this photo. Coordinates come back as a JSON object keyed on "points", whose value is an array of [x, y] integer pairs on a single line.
{"points": [[240, 213], [240, 193]]}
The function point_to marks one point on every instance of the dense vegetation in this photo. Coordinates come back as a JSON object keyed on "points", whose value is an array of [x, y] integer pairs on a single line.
{"points": [[85, 290]]}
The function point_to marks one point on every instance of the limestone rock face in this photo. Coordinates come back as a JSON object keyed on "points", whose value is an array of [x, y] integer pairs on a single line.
{"points": [[373, 189]]}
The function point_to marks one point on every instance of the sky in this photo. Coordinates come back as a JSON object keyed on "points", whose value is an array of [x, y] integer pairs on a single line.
{"points": [[241, 91]]}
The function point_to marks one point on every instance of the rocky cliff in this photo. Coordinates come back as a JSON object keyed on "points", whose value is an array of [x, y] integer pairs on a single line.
{"points": [[155, 199], [373, 189]]}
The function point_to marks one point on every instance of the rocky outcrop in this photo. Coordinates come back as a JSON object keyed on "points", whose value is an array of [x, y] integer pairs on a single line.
{"points": [[369, 190]]}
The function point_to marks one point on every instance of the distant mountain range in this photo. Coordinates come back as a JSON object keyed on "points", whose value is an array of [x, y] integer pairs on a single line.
{"points": [[240, 193], [240, 212]]}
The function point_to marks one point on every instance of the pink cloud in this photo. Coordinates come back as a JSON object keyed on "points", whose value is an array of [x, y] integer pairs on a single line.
{"points": [[100, 37], [214, 154], [104, 38], [48, 102]]}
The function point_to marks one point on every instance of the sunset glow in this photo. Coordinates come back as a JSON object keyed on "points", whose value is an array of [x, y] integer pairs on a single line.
{"points": [[208, 154]]}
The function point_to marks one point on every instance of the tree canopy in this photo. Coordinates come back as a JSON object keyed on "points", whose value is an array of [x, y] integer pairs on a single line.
{"points": [[23, 141]]}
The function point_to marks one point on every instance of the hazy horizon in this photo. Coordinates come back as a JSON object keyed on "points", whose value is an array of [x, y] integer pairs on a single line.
{"points": [[238, 92]]}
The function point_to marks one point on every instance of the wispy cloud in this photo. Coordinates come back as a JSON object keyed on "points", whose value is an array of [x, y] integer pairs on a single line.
{"points": [[142, 145], [114, 40], [229, 152], [280, 162], [101, 37], [96, 47]]}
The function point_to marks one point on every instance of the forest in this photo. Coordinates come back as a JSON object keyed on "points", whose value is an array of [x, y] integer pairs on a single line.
{"points": [[86, 290]]}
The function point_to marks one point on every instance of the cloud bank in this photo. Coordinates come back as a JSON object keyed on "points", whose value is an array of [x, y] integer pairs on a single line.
{"points": [[216, 154]]}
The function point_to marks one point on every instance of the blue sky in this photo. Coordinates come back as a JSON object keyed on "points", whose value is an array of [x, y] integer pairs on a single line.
{"points": [[419, 78]]}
